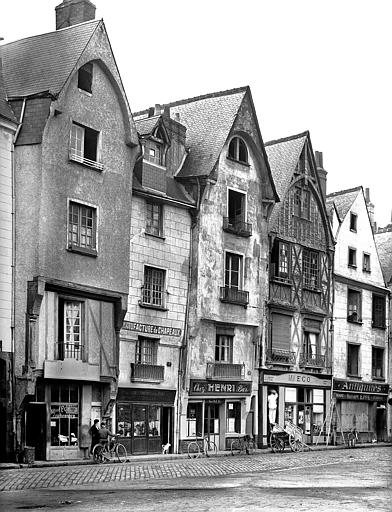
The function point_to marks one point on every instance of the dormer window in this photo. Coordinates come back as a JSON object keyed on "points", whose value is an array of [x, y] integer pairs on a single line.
{"points": [[85, 77], [153, 152], [238, 150]]}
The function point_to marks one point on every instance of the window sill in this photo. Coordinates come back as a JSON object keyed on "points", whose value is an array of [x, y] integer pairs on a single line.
{"points": [[352, 376], [354, 267], [282, 280], [382, 327], [378, 379], [358, 322], [159, 237], [91, 164], [366, 271], [82, 250], [152, 306], [86, 93], [245, 164], [353, 230]]}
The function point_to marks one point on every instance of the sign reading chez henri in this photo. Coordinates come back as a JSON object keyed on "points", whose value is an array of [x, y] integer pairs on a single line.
{"points": [[151, 329], [207, 388], [349, 386]]}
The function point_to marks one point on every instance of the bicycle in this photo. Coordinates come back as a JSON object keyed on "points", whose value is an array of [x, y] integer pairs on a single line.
{"points": [[243, 444], [352, 438], [208, 448], [104, 452]]}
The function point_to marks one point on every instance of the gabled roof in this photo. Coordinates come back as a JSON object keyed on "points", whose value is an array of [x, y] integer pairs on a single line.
{"points": [[343, 200], [43, 63], [174, 191], [383, 241], [208, 120], [146, 126]]}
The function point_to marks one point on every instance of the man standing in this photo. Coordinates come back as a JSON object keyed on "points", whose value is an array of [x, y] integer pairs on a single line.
{"points": [[104, 434], [272, 406], [94, 433]]}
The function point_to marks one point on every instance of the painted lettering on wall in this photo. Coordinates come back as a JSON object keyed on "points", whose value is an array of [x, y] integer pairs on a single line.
{"points": [[204, 387], [151, 329]]}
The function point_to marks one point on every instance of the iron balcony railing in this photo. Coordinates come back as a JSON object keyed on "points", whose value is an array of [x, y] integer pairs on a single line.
{"points": [[150, 372], [238, 227], [225, 371], [314, 361], [70, 350], [234, 296], [85, 161], [280, 356]]}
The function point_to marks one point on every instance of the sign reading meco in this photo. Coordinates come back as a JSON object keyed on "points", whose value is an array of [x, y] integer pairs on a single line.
{"points": [[151, 329], [206, 388], [291, 379]]}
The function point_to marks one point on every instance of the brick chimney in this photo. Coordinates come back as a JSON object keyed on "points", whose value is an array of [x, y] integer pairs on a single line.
{"points": [[322, 173], [72, 12]]}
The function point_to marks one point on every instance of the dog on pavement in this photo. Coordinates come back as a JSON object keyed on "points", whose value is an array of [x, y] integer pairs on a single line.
{"points": [[165, 448]]}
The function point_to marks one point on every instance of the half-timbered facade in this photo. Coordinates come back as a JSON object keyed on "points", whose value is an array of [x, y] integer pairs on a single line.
{"points": [[296, 363]]}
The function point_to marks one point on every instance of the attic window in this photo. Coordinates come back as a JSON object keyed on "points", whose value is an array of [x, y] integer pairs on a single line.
{"points": [[238, 150], [153, 152], [85, 77]]}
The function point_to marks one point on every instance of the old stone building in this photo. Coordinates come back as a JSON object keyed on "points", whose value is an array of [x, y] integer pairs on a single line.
{"points": [[152, 337], [74, 157], [360, 321], [296, 364]]}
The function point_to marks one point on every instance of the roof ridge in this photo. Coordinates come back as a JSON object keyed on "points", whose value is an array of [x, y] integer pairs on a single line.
{"points": [[341, 192], [227, 92], [51, 32], [286, 139]]}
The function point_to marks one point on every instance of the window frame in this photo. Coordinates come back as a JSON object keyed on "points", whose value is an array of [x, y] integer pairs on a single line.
{"points": [[77, 246], [234, 150], [156, 145], [366, 267], [279, 262], [359, 305], [70, 348], [161, 304], [382, 314], [224, 348], [310, 271], [85, 76], [243, 215], [375, 367], [158, 225], [349, 367], [353, 222], [352, 251], [77, 146], [146, 350], [228, 272]]}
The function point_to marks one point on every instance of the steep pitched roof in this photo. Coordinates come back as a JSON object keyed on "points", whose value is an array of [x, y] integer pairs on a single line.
{"points": [[174, 191], [343, 200], [5, 109], [383, 241], [43, 63], [208, 120]]}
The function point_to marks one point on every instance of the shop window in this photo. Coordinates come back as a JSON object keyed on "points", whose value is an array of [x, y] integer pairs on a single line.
{"points": [[354, 306], [366, 262], [153, 292], [139, 420], [146, 351], [124, 420], [224, 349], [378, 311], [305, 407], [194, 417], [238, 150], [353, 360], [64, 414], [353, 222], [311, 269], [154, 220], [352, 257], [82, 228], [377, 363], [70, 330], [85, 77], [233, 418], [280, 261], [85, 145]]}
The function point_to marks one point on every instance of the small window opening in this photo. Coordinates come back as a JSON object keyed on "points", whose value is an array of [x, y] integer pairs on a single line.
{"points": [[85, 77], [353, 222], [238, 150]]}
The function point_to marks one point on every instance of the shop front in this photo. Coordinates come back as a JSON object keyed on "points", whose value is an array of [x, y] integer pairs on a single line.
{"points": [[363, 406], [145, 419], [301, 398], [220, 410]]}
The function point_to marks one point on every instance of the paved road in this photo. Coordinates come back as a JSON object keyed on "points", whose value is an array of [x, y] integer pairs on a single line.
{"points": [[346, 480]]}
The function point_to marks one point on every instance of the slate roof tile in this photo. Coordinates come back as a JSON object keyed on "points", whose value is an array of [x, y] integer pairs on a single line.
{"points": [[5, 109], [383, 241], [343, 200]]}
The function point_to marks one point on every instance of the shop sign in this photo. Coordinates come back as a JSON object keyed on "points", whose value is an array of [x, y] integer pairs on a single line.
{"points": [[207, 388], [151, 329], [361, 397], [64, 410], [300, 379], [360, 387]]}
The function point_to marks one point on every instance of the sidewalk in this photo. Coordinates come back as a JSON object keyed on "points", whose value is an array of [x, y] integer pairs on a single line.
{"points": [[156, 457]]}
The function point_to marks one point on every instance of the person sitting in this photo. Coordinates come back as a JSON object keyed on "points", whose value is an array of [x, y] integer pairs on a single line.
{"points": [[105, 434]]}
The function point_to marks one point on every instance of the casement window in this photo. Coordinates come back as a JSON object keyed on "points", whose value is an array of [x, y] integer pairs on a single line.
{"points": [[236, 207], [377, 363], [302, 203], [311, 347], [146, 351], [153, 291], [311, 269], [85, 77], [378, 311], [82, 228], [353, 222], [354, 306], [280, 259], [85, 146], [352, 257], [224, 348], [154, 220], [238, 150], [366, 262], [353, 360], [233, 417], [153, 152], [233, 271], [70, 330]]}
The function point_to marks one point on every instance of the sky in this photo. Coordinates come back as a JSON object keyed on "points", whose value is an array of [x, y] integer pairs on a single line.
{"points": [[317, 65]]}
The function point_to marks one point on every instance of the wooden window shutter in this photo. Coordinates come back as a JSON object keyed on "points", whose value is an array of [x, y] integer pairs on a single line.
{"points": [[281, 331]]}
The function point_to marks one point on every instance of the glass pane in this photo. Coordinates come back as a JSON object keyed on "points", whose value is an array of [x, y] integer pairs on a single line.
{"points": [[154, 420], [318, 396], [290, 394], [139, 420]]}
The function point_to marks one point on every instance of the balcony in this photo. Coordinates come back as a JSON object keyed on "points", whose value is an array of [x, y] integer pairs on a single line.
{"points": [[279, 356], [313, 361], [234, 296], [69, 350], [237, 227], [147, 372], [73, 155], [225, 371]]}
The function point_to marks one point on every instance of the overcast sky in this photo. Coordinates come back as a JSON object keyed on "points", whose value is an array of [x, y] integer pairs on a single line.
{"points": [[317, 65]]}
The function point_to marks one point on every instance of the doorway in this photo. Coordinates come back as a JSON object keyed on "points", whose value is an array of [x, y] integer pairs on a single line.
{"points": [[380, 423], [211, 422], [35, 429]]}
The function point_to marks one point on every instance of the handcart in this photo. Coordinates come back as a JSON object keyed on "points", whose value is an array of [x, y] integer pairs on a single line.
{"points": [[290, 435]]}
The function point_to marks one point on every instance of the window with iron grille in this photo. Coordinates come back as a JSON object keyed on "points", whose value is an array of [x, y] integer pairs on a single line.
{"points": [[224, 349], [153, 289], [233, 271], [85, 77], [238, 150], [82, 227], [85, 146], [146, 351], [378, 311], [377, 363], [354, 306], [154, 221], [353, 359], [311, 269]]}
